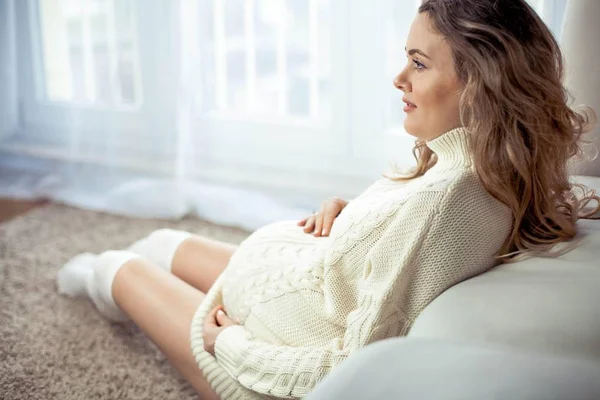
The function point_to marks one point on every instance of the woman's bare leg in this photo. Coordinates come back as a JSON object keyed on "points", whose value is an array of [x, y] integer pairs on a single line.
{"points": [[199, 261], [162, 305]]}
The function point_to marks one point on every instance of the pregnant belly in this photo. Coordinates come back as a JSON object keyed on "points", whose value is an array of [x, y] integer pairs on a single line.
{"points": [[252, 280], [281, 311], [273, 261]]}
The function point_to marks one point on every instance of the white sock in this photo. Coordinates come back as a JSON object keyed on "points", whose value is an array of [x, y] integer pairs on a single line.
{"points": [[160, 246], [93, 275], [72, 277], [139, 246]]}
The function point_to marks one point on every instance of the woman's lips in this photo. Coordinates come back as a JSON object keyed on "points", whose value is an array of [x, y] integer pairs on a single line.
{"points": [[409, 106]]}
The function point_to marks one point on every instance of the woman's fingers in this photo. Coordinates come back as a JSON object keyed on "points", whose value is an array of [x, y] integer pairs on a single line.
{"points": [[332, 210], [223, 319], [302, 222], [320, 223], [310, 225], [211, 318], [319, 220], [328, 221]]}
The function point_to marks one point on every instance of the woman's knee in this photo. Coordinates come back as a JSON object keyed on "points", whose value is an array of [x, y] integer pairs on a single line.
{"points": [[160, 246]]}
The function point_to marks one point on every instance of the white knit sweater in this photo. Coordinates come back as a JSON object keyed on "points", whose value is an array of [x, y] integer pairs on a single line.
{"points": [[304, 304]]}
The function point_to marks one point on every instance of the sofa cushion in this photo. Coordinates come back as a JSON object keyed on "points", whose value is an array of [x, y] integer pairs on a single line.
{"points": [[549, 304], [418, 368]]}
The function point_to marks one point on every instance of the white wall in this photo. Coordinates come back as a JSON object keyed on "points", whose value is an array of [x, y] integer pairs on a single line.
{"points": [[580, 35], [8, 82]]}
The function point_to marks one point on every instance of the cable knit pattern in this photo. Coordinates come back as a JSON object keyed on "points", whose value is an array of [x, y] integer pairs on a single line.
{"points": [[304, 304]]}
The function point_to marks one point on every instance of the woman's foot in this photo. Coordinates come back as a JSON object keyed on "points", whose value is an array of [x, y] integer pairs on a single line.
{"points": [[91, 276], [72, 277]]}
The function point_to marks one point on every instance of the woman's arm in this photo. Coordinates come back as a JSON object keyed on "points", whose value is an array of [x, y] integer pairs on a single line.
{"points": [[436, 240]]}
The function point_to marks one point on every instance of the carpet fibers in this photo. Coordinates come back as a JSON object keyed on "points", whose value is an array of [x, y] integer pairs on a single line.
{"points": [[55, 347]]}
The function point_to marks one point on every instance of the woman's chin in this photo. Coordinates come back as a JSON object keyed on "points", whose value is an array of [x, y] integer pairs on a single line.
{"points": [[410, 128]]}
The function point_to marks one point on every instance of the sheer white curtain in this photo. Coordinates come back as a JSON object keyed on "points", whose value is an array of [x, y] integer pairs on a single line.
{"points": [[242, 111], [8, 88]]}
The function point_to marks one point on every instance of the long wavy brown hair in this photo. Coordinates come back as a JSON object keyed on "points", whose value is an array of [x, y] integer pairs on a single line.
{"points": [[514, 106]]}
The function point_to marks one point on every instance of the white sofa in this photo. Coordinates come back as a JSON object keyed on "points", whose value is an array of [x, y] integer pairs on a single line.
{"points": [[528, 330]]}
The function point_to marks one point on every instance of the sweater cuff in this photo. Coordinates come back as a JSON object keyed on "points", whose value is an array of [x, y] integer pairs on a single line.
{"points": [[228, 345]]}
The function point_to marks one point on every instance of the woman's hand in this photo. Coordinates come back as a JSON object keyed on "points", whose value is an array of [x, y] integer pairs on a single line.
{"points": [[322, 220], [214, 324]]}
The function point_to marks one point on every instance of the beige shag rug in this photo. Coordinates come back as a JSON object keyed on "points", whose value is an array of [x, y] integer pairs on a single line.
{"points": [[54, 347]]}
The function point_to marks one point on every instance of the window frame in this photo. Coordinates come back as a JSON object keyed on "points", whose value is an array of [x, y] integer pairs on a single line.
{"points": [[298, 157], [55, 122]]}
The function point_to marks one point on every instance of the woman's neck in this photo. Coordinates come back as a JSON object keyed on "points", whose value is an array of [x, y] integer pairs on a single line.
{"points": [[452, 150]]}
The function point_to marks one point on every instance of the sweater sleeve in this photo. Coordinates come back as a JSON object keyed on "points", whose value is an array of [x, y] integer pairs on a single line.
{"points": [[432, 242]]}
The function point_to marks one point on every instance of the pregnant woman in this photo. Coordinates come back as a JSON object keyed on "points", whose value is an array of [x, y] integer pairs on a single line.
{"points": [[273, 316]]}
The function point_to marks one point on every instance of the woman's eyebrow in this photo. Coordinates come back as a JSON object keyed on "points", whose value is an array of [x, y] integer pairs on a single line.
{"points": [[413, 51]]}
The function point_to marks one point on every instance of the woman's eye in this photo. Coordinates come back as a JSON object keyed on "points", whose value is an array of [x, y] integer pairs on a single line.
{"points": [[418, 65]]}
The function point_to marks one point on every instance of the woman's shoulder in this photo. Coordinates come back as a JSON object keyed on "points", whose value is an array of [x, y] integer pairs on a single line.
{"points": [[465, 196], [431, 181], [458, 191]]}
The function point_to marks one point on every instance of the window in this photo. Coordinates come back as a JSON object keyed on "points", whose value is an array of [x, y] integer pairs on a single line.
{"points": [[237, 90], [89, 83], [90, 53], [267, 57]]}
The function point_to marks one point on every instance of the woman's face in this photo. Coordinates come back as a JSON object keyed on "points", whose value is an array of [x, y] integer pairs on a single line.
{"points": [[429, 82]]}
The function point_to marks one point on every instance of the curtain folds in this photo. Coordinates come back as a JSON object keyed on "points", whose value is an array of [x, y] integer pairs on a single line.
{"points": [[100, 103]]}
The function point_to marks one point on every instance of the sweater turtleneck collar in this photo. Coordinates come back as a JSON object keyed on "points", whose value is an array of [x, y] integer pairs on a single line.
{"points": [[452, 149]]}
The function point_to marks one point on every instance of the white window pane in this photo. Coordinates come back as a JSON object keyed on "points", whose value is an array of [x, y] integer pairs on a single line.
{"points": [[127, 52], [236, 79], [234, 18], [267, 57], [267, 84], [75, 58], [89, 51], [324, 57], [99, 36]]}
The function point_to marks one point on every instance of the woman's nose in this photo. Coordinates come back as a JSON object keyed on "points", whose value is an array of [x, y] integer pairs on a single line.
{"points": [[400, 81]]}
